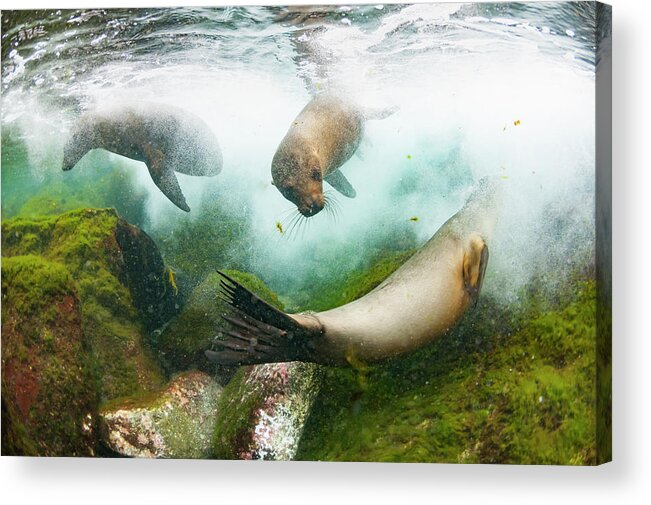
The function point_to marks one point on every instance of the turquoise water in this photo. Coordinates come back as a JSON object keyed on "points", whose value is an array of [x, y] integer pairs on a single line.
{"points": [[482, 89]]}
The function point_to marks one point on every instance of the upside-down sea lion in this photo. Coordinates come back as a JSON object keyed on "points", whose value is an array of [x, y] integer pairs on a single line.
{"points": [[167, 139], [325, 134], [419, 302]]}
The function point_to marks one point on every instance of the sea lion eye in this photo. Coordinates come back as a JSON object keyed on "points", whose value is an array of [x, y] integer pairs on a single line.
{"points": [[316, 174]]}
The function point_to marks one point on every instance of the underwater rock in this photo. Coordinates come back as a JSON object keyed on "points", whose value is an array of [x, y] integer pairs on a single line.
{"points": [[263, 410], [153, 286], [177, 423], [182, 343], [73, 334], [48, 391]]}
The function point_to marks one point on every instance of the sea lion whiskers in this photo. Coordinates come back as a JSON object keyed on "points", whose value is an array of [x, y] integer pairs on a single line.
{"points": [[294, 224], [285, 214], [331, 205]]}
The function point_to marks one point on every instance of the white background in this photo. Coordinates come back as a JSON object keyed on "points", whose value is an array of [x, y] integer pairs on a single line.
{"points": [[626, 480]]}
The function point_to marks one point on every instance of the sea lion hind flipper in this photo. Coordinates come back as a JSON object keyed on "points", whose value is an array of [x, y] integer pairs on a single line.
{"points": [[253, 306], [165, 178], [338, 181], [475, 260], [259, 333]]}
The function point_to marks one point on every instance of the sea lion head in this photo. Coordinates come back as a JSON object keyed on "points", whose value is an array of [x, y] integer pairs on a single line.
{"points": [[82, 139], [300, 180]]}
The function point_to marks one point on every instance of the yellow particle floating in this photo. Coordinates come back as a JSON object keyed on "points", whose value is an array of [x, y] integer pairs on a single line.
{"points": [[279, 227], [516, 122], [504, 176], [414, 219], [173, 281]]}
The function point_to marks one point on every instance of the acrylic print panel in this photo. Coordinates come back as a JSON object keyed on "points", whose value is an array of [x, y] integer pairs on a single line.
{"points": [[339, 233]]}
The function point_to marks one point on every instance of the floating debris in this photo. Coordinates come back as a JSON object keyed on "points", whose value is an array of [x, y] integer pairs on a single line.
{"points": [[414, 219], [279, 227], [173, 281], [516, 122], [409, 156]]}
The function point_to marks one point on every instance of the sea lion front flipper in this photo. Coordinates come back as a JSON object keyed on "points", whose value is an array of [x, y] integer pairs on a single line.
{"points": [[259, 333], [475, 260], [338, 181], [165, 178]]}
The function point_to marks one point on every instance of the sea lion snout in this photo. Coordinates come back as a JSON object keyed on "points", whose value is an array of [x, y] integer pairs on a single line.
{"points": [[307, 195], [313, 205]]}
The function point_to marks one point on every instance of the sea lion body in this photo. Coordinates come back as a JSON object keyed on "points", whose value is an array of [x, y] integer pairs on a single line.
{"points": [[323, 137], [418, 303], [167, 139]]}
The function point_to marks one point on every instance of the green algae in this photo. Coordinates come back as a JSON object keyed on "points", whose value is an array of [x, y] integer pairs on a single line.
{"points": [[30, 281], [237, 406], [74, 256], [500, 388], [47, 383]]}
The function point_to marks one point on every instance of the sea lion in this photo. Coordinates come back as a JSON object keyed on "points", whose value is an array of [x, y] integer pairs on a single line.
{"points": [[167, 139], [324, 135], [418, 303]]}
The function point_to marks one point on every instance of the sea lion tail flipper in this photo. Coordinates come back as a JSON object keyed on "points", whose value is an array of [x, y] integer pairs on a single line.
{"points": [[379, 112], [165, 178], [258, 332], [338, 181], [475, 260]]}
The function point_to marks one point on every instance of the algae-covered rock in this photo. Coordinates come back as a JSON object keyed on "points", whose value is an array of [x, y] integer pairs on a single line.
{"points": [[112, 282], [175, 423], [263, 410], [182, 344], [49, 394]]}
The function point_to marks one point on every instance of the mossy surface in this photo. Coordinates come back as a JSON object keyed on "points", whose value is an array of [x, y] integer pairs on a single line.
{"points": [[49, 265], [48, 388], [84, 242], [500, 388], [174, 423], [237, 407]]}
